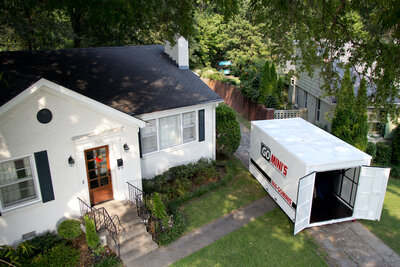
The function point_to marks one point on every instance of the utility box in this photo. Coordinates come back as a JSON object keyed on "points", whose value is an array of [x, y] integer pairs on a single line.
{"points": [[315, 177]]}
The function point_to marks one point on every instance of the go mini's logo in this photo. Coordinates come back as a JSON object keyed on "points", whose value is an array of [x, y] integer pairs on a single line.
{"points": [[272, 159]]}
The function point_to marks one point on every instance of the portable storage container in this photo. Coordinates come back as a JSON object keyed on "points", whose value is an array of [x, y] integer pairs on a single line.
{"points": [[315, 177]]}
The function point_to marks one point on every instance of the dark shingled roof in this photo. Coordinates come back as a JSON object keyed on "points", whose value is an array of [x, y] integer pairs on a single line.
{"points": [[133, 79]]}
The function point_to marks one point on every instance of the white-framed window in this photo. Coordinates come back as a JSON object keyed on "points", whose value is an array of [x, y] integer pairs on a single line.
{"points": [[149, 137], [17, 182], [305, 99], [169, 131], [318, 109]]}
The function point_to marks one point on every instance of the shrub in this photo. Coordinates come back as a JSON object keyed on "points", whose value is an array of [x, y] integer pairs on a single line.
{"points": [[228, 130], [59, 255], [270, 101], [174, 232], [396, 146], [158, 208], [371, 149], [109, 261], [383, 154], [70, 229], [92, 238], [395, 171], [12, 255]]}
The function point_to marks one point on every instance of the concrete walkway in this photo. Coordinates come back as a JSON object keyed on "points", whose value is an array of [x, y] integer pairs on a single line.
{"points": [[205, 235]]}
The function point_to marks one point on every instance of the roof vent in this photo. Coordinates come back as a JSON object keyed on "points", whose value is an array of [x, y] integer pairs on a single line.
{"points": [[179, 52]]}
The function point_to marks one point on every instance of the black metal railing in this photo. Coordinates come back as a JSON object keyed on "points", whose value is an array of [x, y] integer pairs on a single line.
{"points": [[102, 220], [153, 225]]}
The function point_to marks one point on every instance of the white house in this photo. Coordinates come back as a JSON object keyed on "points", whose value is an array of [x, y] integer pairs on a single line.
{"points": [[84, 122]]}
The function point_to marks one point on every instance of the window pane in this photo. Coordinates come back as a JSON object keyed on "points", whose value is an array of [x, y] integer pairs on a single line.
{"points": [[16, 193], [346, 189], [169, 131], [149, 144], [189, 127], [149, 137], [15, 169]]}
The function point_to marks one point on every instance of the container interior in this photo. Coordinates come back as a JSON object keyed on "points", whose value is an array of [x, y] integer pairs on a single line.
{"points": [[334, 194]]}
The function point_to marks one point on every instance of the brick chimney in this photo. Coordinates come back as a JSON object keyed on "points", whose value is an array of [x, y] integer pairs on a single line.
{"points": [[179, 52]]}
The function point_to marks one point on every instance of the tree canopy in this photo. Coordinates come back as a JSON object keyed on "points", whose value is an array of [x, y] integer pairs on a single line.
{"points": [[364, 33], [32, 24]]}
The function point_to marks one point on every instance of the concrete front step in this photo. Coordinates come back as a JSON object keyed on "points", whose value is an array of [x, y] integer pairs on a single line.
{"points": [[138, 251], [134, 241]]}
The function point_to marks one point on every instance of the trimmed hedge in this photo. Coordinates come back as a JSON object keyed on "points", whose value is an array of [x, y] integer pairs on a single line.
{"points": [[70, 229]]}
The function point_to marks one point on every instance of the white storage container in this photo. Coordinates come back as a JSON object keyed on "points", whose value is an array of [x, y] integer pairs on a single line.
{"points": [[315, 177]]}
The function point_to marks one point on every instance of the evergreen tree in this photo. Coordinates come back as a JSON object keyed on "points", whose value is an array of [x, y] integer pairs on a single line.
{"points": [[264, 83], [361, 126], [342, 124]]}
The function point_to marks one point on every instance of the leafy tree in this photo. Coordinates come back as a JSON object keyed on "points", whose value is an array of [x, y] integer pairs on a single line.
{"points": [[33, 24], [360, 124], [227, 130], [215, 39], [342, 123], [324, 32]]}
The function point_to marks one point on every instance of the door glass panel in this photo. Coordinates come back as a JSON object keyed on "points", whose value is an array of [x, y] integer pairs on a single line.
{"points": [[101, 152], [103, 163], [89, 155], [91, 165], [103, 171], [93, 175], [103, 181], [94, 184]]}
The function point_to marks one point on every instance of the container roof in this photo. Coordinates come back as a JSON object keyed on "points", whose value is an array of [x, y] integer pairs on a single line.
{"points": [[310, 144]]}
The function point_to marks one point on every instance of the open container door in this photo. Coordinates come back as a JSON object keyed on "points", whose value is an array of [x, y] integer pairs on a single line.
{"points": [[371, 192], [304, 202]]}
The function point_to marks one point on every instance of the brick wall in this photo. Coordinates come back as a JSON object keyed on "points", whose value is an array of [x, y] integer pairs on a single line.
{"points": [[234, 99]]}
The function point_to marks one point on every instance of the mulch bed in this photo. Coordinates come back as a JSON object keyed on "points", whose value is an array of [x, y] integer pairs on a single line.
{"points": [[87, 257]]}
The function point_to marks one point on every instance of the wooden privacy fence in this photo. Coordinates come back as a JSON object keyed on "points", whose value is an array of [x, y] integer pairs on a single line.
{"points": [[248, 109]]}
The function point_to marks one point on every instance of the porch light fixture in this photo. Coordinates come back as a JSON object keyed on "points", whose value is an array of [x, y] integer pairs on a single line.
{"points": [[126, 147], [71, 161]]}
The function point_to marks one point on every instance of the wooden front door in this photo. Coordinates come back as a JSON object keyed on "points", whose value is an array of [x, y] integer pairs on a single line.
{"points": [[98, 174]]}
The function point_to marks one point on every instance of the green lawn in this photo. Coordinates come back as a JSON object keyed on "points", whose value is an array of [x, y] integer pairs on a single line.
{"points": [[267, 241], [388, 228], [243, 189]]}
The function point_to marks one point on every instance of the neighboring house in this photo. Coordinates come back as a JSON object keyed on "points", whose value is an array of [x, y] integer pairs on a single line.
{"points": [[306, 92], [84, 122]]}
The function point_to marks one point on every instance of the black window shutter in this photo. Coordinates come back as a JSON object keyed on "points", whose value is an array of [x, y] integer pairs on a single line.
{"points": [[201, 126], [140, 144], [43, 170]]}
